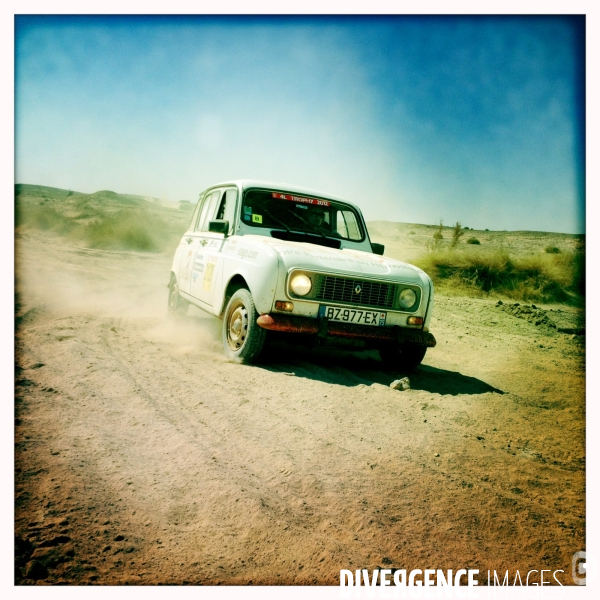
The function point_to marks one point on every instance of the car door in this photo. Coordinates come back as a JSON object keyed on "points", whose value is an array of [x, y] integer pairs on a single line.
{"points": [[208, 257], [193, 261], [187, 250]]}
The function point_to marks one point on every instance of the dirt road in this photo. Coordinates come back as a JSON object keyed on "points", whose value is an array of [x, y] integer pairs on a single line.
{"points": [[142, 456]]}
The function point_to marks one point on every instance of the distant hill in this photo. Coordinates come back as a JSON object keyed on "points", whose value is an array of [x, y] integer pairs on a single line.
{"points": [[107, 196], [103, 219]]}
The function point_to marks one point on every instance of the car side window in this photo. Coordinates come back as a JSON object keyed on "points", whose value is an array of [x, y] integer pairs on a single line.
{"points": [[347, 225], [227, 206], [341, 225], [208, 210], [194, 220], [203, 211]]}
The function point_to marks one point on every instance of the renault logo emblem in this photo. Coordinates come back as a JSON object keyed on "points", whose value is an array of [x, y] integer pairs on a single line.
{"points": [[357, 289]]}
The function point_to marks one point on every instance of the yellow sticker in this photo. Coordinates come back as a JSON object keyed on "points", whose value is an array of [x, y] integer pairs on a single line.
{"points": [[257, 218], [208, 274]]}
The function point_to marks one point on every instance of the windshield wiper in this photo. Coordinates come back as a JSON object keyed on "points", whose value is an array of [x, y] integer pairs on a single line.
{"points": [[315, 230]]}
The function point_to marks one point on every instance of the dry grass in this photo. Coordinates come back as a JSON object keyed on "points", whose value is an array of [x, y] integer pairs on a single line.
{"points": [[538, 277]]}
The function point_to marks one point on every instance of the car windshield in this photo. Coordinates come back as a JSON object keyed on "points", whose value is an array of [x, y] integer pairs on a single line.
{"points": [[295, 213]]}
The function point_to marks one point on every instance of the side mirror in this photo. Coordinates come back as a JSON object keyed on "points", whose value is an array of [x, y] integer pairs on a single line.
{"points": [[219, 226], [377, 248]]}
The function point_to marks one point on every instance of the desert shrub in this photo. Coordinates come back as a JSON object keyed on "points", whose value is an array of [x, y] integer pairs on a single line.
{"points": [[574, 262], [540, 277], [438, 235], [129, 230], [411, 233], [552, 250], [473, 240], [457, 233]]}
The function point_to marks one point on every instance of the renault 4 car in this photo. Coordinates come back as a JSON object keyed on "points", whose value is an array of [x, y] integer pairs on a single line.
{"points": [[271, 257]]}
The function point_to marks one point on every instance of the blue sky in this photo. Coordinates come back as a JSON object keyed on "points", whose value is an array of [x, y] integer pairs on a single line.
{"points": [[416, 119]]}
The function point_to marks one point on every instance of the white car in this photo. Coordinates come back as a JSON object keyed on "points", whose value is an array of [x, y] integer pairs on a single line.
{"points": [[275, 257]]}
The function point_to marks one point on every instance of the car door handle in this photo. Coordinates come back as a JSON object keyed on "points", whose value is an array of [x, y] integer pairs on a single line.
{"points": [[189, 240]]}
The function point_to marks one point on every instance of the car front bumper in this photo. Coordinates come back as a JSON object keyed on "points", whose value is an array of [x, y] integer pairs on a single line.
{"points": [[324, 328]]}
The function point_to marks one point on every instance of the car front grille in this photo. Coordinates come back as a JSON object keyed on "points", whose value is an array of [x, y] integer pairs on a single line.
{"points": [[354, 291]]}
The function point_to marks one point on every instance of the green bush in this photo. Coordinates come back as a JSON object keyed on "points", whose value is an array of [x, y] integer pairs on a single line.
{"points": [[540, 277], [552, 250], [473, 240]]}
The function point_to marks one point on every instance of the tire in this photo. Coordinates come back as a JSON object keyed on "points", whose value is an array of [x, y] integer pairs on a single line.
{"points": [[405, 356], [177, 306], [243, 339]]}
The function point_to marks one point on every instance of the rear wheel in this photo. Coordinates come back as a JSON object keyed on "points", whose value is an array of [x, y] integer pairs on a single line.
{"points": [[404, 356], [243, 339], [177, 306]]}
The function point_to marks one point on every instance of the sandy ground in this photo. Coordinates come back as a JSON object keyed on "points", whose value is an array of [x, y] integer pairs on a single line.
{"points": [[143, 457]]}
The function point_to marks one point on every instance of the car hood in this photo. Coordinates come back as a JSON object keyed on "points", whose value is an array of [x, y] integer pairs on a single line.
{"points": [[346, 261]]}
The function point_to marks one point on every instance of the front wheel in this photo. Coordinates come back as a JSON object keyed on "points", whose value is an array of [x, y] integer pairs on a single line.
{"points": [[406, 356], [243, 339]]}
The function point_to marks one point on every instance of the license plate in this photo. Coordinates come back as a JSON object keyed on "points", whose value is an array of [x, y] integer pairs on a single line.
{"points": [[353, 315]]}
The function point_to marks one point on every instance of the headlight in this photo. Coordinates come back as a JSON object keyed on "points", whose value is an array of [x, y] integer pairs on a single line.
{"points": [[300, 285], [407, 298]]}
